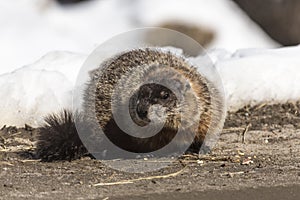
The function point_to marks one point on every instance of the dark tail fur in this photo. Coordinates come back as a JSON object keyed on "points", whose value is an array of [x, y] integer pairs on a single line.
{"points": [[58, 138]]}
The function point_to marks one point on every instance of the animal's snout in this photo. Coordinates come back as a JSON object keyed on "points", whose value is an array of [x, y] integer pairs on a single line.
{"points": [[142, 109]]}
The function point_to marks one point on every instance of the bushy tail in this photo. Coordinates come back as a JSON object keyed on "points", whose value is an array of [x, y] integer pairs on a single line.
{"points": [[58, 138]]}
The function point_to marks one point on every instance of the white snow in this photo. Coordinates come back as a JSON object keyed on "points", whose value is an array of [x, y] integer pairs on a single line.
{"points": [[32, 28], [255, 75], [31, 92]]}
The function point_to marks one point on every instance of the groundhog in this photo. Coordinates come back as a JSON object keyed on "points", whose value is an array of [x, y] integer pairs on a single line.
{"points": [[154, 89]]}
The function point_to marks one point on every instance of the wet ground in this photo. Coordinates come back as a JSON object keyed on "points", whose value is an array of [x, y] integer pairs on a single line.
{"points": [[257, 156]]}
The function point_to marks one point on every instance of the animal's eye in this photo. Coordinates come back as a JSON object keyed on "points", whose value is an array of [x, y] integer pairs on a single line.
{"points": [[164, 95]]}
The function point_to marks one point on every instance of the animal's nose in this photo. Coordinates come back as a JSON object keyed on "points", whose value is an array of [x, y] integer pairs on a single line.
{"points": [[143, 114], [142, 110]]}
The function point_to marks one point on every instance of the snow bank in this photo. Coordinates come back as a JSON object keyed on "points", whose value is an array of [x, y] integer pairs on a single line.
{"points": [[249, 76], [257, 75], [31, 92]]}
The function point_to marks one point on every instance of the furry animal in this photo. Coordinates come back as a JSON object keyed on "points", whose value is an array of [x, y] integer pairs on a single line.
{"points": [[153, 89]]}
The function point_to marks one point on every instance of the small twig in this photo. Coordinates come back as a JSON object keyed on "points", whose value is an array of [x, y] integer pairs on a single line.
{"points": [[113, 183], [6, 163], [139, 179], [260, 106], [15, 134], [244, 133], [26, 161]]}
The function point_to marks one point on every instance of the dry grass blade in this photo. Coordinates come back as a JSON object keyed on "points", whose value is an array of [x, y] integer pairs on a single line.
{"points": [[26, 161], [6, 163], [140, 179]]}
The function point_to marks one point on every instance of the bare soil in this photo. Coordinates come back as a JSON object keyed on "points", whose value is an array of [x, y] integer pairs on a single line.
{"points": [[257, 156]]}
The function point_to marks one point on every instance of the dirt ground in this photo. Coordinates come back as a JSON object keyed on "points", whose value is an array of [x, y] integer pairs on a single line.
{"points": [[257, 157]]}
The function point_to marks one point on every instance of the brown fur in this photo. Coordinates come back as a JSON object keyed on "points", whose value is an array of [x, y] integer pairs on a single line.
{"points": [[117, 82], [134, 65]]}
